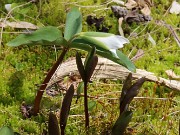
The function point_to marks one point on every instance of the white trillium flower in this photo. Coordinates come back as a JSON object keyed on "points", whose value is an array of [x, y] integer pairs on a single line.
{"points": [[8, 7], [105, 41], [113, 42]]}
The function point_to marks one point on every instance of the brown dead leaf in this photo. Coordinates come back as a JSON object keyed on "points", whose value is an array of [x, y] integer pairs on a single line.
{"points": [[26, 110], [139, 54], [146, 10], [142, 3], [144, 6], [131, 14], [131, 4], [120, 27], [149, 2], [172, 75], [20, 25]]}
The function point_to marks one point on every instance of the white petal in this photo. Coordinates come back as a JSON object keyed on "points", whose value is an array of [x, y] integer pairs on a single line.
{"points": [[114, 51], [8, 7], [175, 8], [113, 42]]}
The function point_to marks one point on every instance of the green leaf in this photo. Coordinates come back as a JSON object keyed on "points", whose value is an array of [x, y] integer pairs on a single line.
{"points": [[96, 34], [126, 61], [91, 105], [6, 131], [121, 124], [109, 55], [80, 89], [91, 41], [106, 41], [53, 127], [73, 23], [89, 57], [44, 36], [83, 46]]}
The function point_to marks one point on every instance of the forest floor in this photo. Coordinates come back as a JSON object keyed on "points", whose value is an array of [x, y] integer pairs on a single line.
{"points": [[153, 47]]}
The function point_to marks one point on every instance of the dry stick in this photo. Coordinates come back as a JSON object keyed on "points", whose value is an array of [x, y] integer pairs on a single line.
{"points": [[111, 70], [94, 6], [46, 81], [174, 34], [171, 29]]}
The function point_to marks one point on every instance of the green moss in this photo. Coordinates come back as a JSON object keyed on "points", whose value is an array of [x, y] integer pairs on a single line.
{"points": [[22, 68]]}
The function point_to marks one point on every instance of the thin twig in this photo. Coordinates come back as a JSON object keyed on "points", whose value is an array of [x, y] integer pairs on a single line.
{"points": [[173, 33]]}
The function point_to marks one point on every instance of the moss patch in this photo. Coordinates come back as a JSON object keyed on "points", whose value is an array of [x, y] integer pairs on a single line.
{"points": [[23, 68]]}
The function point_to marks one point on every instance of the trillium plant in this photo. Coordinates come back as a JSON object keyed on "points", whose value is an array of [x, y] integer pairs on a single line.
{"points": [[106, 45]]}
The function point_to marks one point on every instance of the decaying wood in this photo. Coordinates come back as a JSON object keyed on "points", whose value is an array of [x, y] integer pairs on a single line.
{"points": [[110, 70]]}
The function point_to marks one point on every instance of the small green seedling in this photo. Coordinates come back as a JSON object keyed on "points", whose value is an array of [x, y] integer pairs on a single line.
{"points": [[129, 91], [86, 72]]}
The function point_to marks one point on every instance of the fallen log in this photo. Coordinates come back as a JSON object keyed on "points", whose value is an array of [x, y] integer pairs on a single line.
{"points": [[107, 69]]}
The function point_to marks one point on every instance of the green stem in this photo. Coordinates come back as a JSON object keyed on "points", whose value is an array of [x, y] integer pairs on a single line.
{"points": [[86, 105], [43, 86]]}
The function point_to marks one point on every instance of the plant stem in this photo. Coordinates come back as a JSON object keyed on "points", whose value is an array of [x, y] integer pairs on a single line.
{"points": [[46, 81], [62, 131], [86, 105]]}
